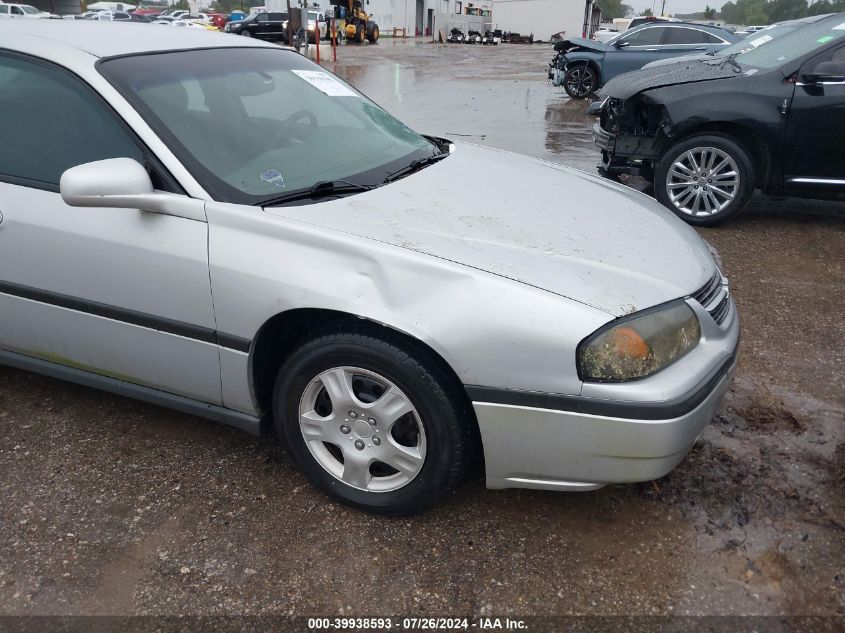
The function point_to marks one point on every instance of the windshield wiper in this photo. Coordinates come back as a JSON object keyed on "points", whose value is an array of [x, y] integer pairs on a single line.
{"points": [[320, 189], [415, 165]]}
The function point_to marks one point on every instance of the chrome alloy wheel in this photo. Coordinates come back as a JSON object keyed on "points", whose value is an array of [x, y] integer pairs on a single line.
{"points": [[362, 429], [702, 181]]}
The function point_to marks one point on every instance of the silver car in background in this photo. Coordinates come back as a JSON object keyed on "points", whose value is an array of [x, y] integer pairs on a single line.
{"points": [[187, 233]]}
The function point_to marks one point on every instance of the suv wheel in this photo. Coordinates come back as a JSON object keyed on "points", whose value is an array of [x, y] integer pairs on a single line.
{"points": [[704, 179], [246, 33], [370, 423], [580, 81]]}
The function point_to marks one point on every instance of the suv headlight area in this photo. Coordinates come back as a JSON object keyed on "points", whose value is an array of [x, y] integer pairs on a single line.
{"points": [[639, 345]]}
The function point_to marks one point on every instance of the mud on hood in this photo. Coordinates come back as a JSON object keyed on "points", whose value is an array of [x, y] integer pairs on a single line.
{"points": [[555, 228], [684, 72]]}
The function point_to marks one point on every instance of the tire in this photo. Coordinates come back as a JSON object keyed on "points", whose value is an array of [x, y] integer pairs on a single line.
{"points": [[335, 375], [246, 33], [360, 35], [684, 179], [580, 81], [372, 33]]}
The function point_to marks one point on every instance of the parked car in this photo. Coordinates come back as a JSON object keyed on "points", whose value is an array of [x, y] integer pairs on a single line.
{"points": [[582, 65], [456, 36], [23, 11], [269, 26], [708, 133], [605, 35], [389, 314], [765, 35], [116, 16]]}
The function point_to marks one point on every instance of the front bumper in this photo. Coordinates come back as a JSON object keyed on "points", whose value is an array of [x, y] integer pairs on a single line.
{"points": [[578, 443], [625, 153]]}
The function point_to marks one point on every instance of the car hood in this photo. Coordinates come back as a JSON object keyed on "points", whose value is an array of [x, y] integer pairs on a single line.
{"points": [[555, 228], [682, 72], [580, 43]]}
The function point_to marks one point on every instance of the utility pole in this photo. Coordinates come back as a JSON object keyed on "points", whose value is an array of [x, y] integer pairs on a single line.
{"points": [[663, 9]]}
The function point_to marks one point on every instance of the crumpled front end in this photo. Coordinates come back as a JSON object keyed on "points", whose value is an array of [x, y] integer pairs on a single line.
{"points": [[631, 134]]}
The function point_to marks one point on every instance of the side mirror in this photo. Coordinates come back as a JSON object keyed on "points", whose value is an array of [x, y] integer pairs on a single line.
{"points": [[621, 44], [125, 184], [826, 72]]}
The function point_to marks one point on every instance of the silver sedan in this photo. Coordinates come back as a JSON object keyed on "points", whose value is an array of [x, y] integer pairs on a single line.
{"points": [[220, 226]]}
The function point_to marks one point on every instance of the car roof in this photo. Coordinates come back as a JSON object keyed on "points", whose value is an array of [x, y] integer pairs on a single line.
{"points": [[107, 39], [716, 30]]}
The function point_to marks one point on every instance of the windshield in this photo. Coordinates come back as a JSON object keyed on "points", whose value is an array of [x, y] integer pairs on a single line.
{"points": [[312, 16], [253, 124], [763, 36], [794, 44], [30, 10]]}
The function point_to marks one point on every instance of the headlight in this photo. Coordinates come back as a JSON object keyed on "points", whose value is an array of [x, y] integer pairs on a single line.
{"points": [[640, 345]]}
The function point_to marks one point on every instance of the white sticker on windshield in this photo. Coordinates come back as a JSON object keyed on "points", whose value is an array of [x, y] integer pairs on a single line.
{"points": [[325, 83], [274, 177], [841, 27], [760, 40]]}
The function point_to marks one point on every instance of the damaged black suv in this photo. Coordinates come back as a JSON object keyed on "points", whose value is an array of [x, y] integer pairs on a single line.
{"points": [[709, 132]]}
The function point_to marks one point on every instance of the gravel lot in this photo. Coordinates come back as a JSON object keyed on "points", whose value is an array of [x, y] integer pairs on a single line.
{"points": [[110, 506]]}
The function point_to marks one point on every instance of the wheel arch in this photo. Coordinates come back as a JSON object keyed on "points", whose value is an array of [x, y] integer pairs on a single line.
{"points": [[743, 136], [283, 333], [592, 64]]}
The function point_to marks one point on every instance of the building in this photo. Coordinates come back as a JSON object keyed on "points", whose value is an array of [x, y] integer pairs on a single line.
{"points": [[544, 18]]}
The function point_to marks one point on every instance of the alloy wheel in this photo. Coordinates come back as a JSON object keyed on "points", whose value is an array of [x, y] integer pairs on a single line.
{"points": [[362, 429], [702, 181], [580, 82]]}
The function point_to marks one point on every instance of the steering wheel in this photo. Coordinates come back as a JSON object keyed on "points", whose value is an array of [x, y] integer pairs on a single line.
{"points": [[293, 118]]}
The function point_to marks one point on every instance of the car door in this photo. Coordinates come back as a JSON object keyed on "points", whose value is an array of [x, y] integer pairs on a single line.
{"points": [[261, 26], [116, 292], [275, 25], [815, 129], [632, 52]]}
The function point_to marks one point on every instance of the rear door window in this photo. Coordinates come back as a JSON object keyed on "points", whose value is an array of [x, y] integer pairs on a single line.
{"points": [[683, 35]]}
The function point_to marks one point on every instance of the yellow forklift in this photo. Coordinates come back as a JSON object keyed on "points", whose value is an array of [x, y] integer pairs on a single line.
{"points": [[358, 25]]}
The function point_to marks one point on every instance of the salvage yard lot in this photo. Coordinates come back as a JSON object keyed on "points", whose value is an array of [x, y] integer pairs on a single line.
{"points": [[112, 506]]}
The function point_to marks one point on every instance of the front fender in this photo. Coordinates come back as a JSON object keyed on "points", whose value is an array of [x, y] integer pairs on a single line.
{"points": [[492, 331]]}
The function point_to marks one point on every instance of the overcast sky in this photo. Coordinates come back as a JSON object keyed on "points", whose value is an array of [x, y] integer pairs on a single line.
{"points": [[673, 6]]}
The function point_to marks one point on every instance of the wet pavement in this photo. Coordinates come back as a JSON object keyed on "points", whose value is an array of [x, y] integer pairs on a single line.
{"points": [[112, 506]]}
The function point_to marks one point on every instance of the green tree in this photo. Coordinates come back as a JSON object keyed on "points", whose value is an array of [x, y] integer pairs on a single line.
{"points": [[614, 9], [779, 10], [647, 13], [731, 13], [709, 12]]}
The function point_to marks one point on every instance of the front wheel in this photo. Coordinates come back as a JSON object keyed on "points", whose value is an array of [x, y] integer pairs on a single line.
{"points": [[377, 426], [246, 33], [704, 179], [580, 81]]}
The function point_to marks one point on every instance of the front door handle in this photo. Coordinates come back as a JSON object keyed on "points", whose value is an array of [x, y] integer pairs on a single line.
{"points": [[651, 50]]}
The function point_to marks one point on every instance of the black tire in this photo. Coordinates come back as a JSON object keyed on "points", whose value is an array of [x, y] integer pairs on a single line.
{"points": [[360, 34], [246, 33], [580, 81], [719, 146], [444, 419], [372, 33]]}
